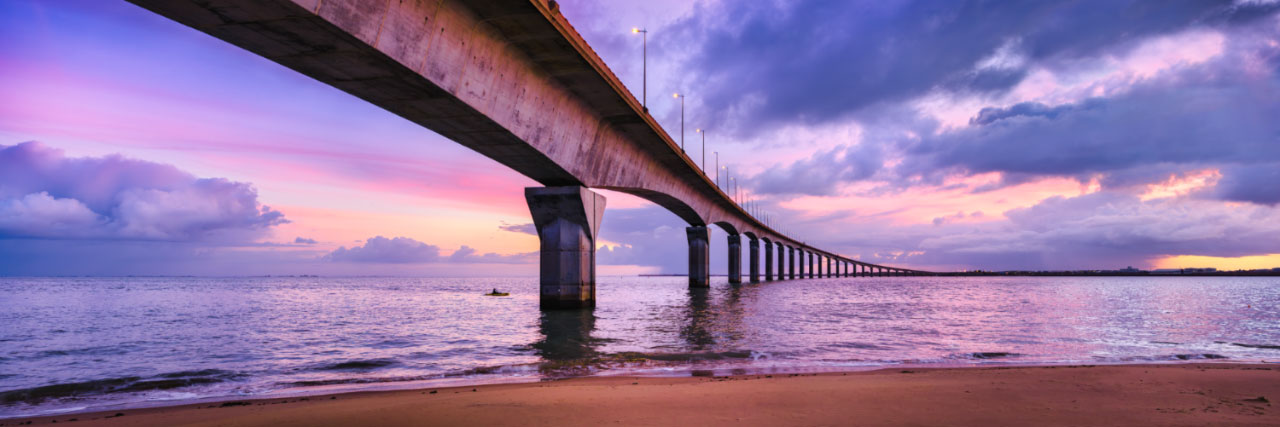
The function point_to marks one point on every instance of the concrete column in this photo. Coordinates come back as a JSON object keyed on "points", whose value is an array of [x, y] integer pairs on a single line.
{"points": [[768, 261], [735, 258], [699, 256], [567, 220], [812, 261], [799, 263], [831, 262], [753, 259], [782, 262], [791, 263]]}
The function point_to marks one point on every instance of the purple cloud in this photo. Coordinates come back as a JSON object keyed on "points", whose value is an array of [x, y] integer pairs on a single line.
{"points": [[48, 195], [761, 64], [526, 228], [404, 250], [378, 249]]}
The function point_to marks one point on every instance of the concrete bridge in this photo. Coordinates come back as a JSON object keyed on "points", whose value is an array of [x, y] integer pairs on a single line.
{"points": [[512, 80]]}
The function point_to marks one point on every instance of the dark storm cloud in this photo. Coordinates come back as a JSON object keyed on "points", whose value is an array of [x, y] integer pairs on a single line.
{"points": [[821, 173], [1258, 183], [1217, 114], [990, 115], [1216, 122], [1210, 124], [813, 61]]}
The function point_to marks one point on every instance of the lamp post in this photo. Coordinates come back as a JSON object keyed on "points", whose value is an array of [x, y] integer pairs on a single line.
{"points": [[728, 181], [644, 67], [732, 195], [677, 95], [717, 169], [704, 149]]}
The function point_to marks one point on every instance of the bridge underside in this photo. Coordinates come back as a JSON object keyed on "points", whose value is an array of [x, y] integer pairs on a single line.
{"points": [[513, 81]]}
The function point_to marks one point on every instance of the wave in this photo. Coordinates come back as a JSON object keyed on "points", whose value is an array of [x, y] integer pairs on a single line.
{"points": [[359, 365], [131, 384]]}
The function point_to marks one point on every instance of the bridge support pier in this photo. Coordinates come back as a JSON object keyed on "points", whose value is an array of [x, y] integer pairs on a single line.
{"points": [[753, 259], [791, 263], [768, 261], [812, 262], [735, 258], [567, 220], [782, 262], [800, 263], [699, 256]]}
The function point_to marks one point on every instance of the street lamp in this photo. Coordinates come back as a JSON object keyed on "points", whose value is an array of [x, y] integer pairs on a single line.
{"points": [[677, 95], [644, 67], [717, 169], [704, 149], [732, 194], [728, 181]]}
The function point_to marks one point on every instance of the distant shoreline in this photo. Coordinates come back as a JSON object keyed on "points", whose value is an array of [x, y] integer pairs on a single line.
{"points": [[1257, 273]]}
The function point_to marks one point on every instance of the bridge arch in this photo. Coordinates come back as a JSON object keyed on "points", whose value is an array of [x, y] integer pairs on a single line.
{"points": [[728, 227], [671, 203]]}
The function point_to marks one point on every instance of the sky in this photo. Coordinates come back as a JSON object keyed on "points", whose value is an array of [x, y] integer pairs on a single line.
{"points": [[938, 135]]}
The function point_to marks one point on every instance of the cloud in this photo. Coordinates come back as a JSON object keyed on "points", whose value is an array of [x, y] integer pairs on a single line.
{"points": [[44, 194], [1214, 113], [466, 254], [1259, 183], [1026, 109], [1107, 228], [304, 241], [404, 250], [1216, 122], [378, 249], [526, 228], [821, 173], [812, 61]]}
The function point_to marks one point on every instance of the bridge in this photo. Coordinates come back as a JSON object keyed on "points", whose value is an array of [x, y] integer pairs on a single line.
{"points": [[512, 80]]}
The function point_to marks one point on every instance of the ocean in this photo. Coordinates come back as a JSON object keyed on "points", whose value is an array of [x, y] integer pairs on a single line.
{"points": [[80, 344]]}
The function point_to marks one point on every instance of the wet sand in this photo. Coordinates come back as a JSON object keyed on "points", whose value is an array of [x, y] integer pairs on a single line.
{"points": [[1174, 395]]}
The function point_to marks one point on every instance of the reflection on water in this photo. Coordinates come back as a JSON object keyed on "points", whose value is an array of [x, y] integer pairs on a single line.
{"points": [[698, 318], [68, 342], [566, 335]]}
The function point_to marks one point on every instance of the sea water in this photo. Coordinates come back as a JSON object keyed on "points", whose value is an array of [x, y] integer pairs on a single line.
{"points": [[77, 344]]}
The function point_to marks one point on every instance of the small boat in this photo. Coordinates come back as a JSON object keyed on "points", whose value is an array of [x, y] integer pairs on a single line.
{"points": [[495, 293]]}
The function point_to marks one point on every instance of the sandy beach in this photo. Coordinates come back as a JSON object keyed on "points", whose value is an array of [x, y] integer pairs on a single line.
{"points": [[1174, 394]]}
